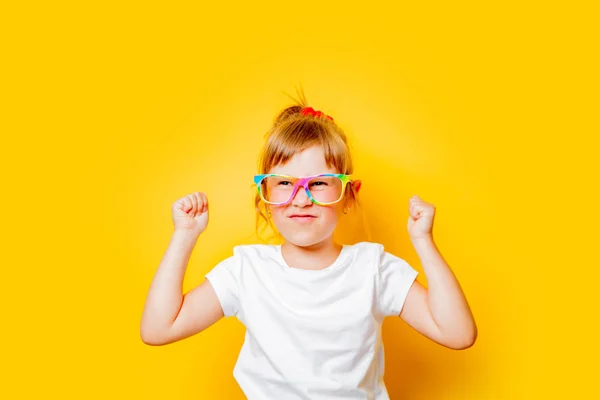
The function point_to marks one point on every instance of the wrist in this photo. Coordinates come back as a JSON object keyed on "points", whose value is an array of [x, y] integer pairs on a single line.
{"points": [[185, 234], [425, 238]]}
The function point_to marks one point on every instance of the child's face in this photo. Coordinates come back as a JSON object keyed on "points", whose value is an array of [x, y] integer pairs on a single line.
{"points": [[306, 231]]}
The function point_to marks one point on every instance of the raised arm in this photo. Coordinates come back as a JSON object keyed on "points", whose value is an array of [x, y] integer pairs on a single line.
{"points": [[168, 314], [440, 312]]}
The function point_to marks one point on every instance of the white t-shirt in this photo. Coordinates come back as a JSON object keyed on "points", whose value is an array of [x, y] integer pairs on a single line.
{"points": [[312, 334]]}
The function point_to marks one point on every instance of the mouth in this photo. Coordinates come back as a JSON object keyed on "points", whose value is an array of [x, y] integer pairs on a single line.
{"points": [[302, 217]]}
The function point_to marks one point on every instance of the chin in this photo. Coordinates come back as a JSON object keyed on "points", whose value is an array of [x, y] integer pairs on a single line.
{"points": [[304, 239]]}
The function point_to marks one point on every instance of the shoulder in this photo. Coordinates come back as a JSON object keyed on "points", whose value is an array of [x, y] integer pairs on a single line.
{"points": [[254, 250], [376, 255], [366, 257], [252, 254], [367, 250], [246, 256]]}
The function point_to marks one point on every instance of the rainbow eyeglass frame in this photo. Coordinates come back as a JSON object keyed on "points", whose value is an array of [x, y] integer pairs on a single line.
{"points": [[304, 183]]}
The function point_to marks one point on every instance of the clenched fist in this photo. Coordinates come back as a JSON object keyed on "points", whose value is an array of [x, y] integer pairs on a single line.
{"points": [[190, 213], [420, 220]]}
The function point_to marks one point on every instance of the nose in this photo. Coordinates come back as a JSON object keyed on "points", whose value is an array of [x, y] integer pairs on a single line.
{"points": [[301, 199]]}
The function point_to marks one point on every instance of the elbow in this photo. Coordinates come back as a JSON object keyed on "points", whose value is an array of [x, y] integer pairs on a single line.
{"points": [[151, 338], [464, 344], [465, 341], [154, 333], [151, 341]]}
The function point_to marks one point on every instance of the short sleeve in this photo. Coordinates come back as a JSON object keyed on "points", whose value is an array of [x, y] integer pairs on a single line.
{"points": [[224, 278], [395, 277]]}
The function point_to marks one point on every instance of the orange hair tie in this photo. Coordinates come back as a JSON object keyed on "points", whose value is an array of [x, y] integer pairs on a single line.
{"points": [[318, 114]]}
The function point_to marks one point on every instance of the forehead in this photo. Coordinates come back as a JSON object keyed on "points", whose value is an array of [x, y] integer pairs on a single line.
{"points": [[310, 161]]}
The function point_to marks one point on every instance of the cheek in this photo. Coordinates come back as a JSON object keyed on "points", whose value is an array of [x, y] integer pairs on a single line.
{"points": [[277, 214], [331, 214]]}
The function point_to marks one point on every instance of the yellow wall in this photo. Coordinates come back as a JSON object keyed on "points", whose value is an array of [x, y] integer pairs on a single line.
{"points": [[114, 111]]}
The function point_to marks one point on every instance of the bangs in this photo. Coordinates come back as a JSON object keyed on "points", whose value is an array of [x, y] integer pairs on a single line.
{"points": [[294, 135]]}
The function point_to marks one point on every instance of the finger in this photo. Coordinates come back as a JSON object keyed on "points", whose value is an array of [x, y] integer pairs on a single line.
{"points": [[201, 202], [204, 202], [412, 207], [416, 209], [412, 202], [194, 202], [185, 204], [198, 200], [419, 203]]}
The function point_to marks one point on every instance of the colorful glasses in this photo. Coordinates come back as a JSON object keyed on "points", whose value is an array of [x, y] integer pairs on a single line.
{"points": [[323, 189]]}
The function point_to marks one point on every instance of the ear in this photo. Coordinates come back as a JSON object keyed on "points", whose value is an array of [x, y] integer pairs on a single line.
{"points": [[356, 185]]}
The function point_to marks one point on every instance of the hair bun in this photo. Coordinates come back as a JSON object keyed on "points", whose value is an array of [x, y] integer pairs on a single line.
{"points": [[313, 112]]}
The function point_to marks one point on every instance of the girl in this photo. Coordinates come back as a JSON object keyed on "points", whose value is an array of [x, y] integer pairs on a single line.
{"points": [[312, 308]]}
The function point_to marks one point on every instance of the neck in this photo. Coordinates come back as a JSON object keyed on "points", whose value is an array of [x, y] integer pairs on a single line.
{"points": [[316, 256]]}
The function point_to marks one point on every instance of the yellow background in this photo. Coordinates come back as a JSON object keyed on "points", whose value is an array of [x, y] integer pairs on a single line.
{"points": [[112, 111]]}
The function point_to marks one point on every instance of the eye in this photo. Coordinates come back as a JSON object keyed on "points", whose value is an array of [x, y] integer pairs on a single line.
{"points": [[318, 183], [284, 183]]}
